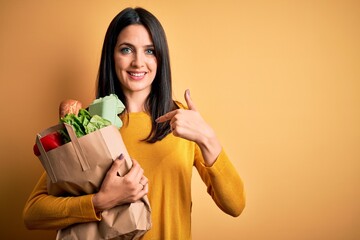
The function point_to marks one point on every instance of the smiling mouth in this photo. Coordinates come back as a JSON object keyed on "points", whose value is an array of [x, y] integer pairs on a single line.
{"points": [[137, 74]]}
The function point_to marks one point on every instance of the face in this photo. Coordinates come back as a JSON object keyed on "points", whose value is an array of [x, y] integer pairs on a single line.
{"points": [[135, 62]]}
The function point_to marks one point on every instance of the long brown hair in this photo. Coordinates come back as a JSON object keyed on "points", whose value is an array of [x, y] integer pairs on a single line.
{"points": [[160, 99]]}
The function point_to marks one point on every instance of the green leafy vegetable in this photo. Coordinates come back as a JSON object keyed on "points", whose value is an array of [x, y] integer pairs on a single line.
{"points": [[83, 124]]}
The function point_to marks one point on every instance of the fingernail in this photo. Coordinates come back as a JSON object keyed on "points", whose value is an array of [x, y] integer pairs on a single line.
{"points": [[121, 157]]}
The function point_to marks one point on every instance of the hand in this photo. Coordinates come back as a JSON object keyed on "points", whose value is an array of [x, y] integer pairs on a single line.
{"points": [[116, 190], [190, 125], [187, 124]]}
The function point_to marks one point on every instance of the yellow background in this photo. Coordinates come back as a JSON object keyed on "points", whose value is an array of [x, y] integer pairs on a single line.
{"points": [[279, 81]]}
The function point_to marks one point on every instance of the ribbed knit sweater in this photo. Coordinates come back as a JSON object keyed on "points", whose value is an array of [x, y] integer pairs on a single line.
{"points": [[168, 164]]}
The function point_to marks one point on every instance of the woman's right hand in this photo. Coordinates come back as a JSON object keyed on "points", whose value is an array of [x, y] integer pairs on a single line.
{"points": [[116, 190]]}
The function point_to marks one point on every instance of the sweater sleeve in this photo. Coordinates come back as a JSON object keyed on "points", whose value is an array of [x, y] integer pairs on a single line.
{"points": [[223, 183], [44, 211]]}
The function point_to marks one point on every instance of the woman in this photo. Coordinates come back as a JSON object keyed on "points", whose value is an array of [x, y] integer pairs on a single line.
{"points": [[166, 138]]}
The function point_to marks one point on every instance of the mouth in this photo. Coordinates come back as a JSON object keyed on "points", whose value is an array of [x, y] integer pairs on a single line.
{"points": [[137, 74]]}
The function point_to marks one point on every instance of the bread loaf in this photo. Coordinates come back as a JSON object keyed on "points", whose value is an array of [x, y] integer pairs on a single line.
{"points": [[69, 106]]}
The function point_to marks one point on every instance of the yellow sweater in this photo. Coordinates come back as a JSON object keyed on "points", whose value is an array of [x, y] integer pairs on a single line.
{"points": [[168, 165]]}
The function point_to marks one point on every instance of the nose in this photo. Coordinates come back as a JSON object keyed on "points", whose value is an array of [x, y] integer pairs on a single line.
{"points": [[138, 60]]}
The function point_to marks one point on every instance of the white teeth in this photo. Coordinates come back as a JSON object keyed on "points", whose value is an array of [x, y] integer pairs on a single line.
{"points": [[137, 74]]}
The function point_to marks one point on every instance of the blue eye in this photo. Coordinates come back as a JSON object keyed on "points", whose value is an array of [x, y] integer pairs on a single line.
{"points": [[125, 50], [150, 51]]}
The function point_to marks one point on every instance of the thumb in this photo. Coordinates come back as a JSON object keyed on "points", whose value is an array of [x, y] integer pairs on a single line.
{"points": [[117, 166], [189, 101]]}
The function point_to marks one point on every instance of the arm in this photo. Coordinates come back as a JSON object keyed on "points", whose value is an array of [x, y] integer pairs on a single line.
{"points": [[223, 183], [214, 167], [43, 211]]}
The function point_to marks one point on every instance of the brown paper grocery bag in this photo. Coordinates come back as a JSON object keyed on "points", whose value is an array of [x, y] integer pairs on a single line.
{"points": [[78, 168], [115, 224]]}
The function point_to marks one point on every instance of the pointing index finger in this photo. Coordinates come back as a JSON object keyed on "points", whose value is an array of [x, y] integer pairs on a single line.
{"points": [[166, 117]]}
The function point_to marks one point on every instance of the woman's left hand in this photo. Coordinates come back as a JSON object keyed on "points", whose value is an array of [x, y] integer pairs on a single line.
{"points": [[190, 125]]}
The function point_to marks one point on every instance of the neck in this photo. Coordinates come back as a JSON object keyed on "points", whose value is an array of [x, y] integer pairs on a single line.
{"points": [[135, 102]]}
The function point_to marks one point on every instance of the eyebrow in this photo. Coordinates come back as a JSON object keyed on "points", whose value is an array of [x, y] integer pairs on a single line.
{"points": [[131, 45]]}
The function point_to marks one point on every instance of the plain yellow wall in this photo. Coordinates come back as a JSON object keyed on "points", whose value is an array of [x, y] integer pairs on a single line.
{"points": [[279, 81]]}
